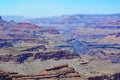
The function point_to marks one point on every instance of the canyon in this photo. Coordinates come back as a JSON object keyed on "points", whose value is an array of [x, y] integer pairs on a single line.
{"points": [[70, 47]]}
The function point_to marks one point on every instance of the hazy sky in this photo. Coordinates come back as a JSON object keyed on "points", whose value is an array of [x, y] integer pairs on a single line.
{"points": [[42, 8]]}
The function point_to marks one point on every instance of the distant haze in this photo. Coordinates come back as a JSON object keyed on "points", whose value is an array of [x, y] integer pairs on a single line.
{"points": [[46, 8]]}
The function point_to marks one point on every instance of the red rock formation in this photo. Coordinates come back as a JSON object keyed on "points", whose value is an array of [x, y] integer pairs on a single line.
{"points": [[60, 72]]}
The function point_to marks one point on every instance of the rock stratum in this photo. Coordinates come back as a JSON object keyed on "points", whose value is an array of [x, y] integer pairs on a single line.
{"points": [[56, 55], [59, 72]]}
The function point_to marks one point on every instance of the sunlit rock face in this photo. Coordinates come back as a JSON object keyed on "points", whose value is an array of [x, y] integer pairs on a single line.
{"points": [[60, 72]]}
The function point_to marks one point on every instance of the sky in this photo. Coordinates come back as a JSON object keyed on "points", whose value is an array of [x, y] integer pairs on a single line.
{"points": [[47, 8]]}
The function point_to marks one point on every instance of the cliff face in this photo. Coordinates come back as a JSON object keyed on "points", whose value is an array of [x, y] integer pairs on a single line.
{"points": [[62, 72], [57, 55]]}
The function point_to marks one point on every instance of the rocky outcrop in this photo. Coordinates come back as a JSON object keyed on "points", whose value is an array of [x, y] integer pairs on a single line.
{"points": [[60, 72], [56, 55]]}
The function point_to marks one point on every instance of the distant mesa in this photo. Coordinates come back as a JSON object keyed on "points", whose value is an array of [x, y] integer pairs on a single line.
{"points": [[15, 18]]}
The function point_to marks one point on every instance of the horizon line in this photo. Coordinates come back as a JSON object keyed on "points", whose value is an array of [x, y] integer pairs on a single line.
{"points": [[60, 15]]}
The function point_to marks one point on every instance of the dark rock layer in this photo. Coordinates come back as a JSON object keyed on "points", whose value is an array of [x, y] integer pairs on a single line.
{"points": [[56, 55]]}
